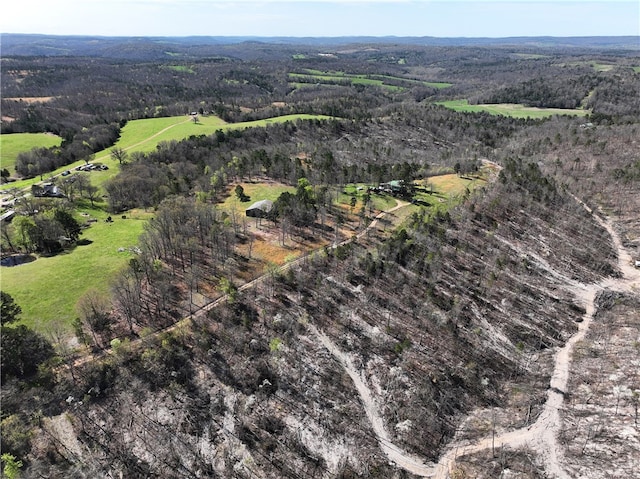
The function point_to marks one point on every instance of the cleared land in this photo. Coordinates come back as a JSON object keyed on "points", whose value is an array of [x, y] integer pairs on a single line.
{"points": [[48, 289], [510, 109], [145, 135], [16, 143], [318, 76]]}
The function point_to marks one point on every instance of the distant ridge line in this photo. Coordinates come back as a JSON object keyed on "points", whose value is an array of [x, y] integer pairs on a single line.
{"points": [[20, 44]]}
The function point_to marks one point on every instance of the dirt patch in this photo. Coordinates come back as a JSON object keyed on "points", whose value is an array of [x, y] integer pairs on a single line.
{"points": [[32, 99]]}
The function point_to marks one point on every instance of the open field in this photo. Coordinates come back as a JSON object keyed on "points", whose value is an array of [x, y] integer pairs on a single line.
{"points": [[145, 135], [179, 68], [256, 192], [48, 288], [318, 76], [15, 143], [510, 109]]}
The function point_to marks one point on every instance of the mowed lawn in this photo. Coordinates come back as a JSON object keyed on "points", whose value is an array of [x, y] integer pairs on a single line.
{"points": [[15, 143], [48, 288], [511, 109]]}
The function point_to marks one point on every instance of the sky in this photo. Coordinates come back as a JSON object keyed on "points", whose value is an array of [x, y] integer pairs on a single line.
{"points": [[322, 18]]}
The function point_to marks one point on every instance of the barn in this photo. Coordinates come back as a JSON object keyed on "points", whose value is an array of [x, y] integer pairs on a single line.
{"points": [[260, 209]]}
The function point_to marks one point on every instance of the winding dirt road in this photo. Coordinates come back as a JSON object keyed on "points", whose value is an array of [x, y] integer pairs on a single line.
{"points": [[394, 453], [541, 436]]}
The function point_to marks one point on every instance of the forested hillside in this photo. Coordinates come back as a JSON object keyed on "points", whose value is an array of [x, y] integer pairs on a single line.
{"points": [[415, 289]]}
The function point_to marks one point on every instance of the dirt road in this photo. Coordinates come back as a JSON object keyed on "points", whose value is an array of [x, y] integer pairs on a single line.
{"points": [[203, 310], [541, 436]]}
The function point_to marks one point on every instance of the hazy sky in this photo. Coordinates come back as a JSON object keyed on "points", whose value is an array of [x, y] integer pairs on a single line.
{"points": [[326, 18]]}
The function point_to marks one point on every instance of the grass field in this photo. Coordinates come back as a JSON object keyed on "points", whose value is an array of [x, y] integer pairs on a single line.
{"points": [[318, 76], [15, 143], [145, 135], [47, 289], [510, 109], [255, 192], [179, 68]]}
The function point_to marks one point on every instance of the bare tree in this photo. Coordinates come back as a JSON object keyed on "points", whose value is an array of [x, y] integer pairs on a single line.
{"points": [[118, 154], [93, 309]]}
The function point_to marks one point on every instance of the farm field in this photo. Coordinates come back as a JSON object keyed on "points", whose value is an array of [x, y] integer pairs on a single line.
{"points": [[49, 287], [11, 145], [145, 135], [318, 76], [510, 109]]}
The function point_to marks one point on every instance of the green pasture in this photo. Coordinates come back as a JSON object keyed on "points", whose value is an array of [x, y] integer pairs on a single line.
{"points": [[48, 288], [636, 69], [351, 79], [510, 109], [145, 135], [179, 68], [255, 192], [15, 143], [319, 76]]}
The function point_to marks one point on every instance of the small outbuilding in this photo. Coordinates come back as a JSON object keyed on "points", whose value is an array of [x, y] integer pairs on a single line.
{"points": [[260, 209]]}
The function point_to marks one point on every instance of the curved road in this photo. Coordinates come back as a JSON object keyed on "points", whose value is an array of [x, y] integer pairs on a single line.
{"points": [[540, 436]]}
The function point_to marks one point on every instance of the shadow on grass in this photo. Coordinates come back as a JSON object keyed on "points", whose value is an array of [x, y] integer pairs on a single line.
{"points": [[17, 259]]}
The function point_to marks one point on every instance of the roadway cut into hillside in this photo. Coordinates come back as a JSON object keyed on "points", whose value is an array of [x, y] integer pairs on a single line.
{"points": [[541, 436]]}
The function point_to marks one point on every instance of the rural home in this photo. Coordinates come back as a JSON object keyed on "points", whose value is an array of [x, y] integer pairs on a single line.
{"points": [[46, 190], [260, 209]]}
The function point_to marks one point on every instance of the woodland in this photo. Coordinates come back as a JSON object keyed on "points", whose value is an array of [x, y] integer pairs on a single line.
{"points": [[408, 323]]}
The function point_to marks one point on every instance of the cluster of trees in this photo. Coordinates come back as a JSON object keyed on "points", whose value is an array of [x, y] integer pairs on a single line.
{"points": [[551, 92], [46, 230], [23, 350], [81, 146], [186, 242]]}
